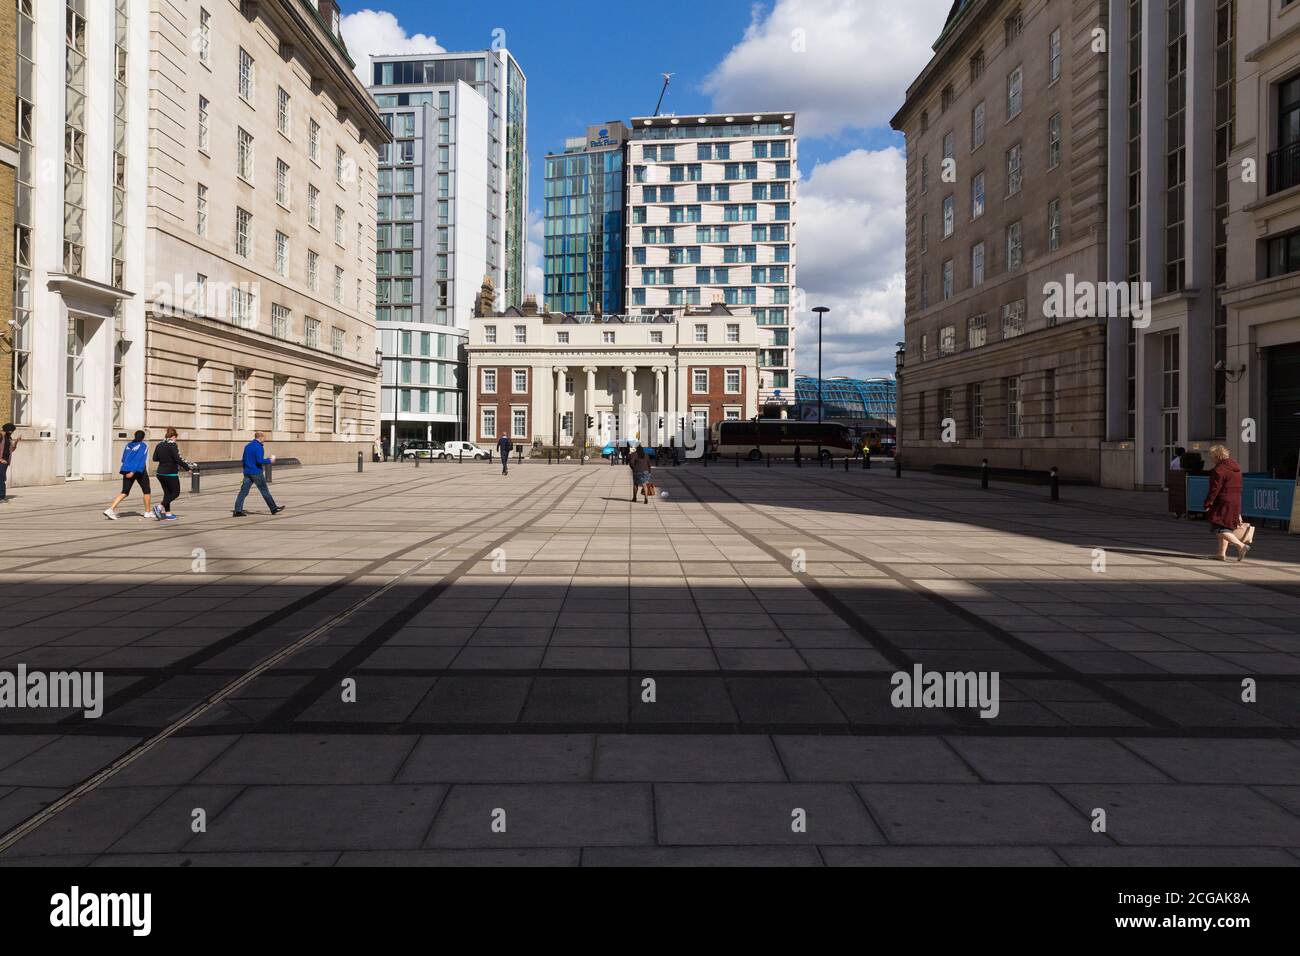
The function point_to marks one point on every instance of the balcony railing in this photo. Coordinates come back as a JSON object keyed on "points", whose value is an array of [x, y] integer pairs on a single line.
{"points": [[1284, 168]]}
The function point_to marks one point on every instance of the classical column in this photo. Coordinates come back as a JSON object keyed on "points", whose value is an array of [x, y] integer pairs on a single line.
{"points": [[660, 410], [629, 402], [558, 411], [588, 401]]}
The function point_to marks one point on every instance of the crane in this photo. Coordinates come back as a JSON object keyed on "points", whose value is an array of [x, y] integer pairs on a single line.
{"points": [[667, 77]]}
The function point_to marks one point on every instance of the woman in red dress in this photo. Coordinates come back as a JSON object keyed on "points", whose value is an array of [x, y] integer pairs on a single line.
{"points": [[1223, 503]]}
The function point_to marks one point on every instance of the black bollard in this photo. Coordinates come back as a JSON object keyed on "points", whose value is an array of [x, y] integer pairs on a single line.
{"points": [[846, 462], [984, 474], [194, 481], [461, 459], [769, 461], [1055, 485], [417, 459], [898, 465], [359, 460], [519, 459], [267, 471]]}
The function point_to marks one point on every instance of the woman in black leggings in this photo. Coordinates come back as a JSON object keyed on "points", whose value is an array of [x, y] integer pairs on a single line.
{"points": [[170, 462]]}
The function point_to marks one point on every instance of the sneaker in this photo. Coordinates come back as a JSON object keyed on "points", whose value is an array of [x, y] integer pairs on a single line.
{"points": [[237, 514], [157, 511], [169, 517], [110, 514], [278, 509]]}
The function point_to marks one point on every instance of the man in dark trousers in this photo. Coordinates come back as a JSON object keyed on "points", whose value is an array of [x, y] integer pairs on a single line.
{"points": [[254, 461], [7, 445], [504, 446]]}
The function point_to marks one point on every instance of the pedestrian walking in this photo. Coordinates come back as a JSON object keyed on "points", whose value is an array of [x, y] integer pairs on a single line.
{"points": [[168, 456], [7, 445], [504, 446], [639, 462], [1223, 504], [134, 471], [255, 460]]}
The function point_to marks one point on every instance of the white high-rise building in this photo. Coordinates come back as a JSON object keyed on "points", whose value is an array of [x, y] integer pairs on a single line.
{"points": [[711, 218], [453, 199]]}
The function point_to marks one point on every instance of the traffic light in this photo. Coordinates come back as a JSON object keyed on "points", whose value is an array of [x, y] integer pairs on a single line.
{"points": [[661, 421], [590, 421]]}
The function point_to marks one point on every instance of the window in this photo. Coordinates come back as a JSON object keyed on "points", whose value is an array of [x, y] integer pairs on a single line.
{"points": [[243, 309], [338, 284], [243, 233], [282, 117], [1013, 26], [204, 132], [239, 399], [976, 331], [1014, 410], [1014, 246], [1054, 224], [278, 320], [489, 380], [656, 338], [201, 211], [520, 380], [947, 340], [521, 334], [733, 332], [313, 271], [1014, 170], [925, 173], [977, 195], [340, 164], [313, 141], [313, 206], [489, 427], [278, 386], [731, 383], [977, 126], [700, 381], [1015, 88], [947, 278], [977, 65], [339, 230], [246, 77], [701, 333], [1054, 141], [924, 230], [949, 211], [281, 253], [282, 183], [1013, 319], [490, 334], [1054, 56], [949, 141], [945, 98], [336, 341], [561, 338], [311, 333], [977, 264], [1049, 403], [925, 289], [519, 422], [1283, 254], [975, 409], [205, 36], [607, 337], [244, 154]]}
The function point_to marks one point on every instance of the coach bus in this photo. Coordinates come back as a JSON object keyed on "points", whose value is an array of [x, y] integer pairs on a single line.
{"points": [[755, 438]]}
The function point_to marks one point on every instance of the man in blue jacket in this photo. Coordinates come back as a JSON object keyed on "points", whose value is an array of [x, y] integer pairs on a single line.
{"points": [[254, 461], [504, 446], [134, 471]]}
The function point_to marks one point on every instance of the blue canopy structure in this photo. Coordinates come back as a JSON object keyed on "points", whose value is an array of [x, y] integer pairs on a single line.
{"points": [[848, 399]]}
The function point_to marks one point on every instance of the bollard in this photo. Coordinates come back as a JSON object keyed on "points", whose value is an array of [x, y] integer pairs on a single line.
{"points": [[267, 471], [359, 460], [461, 459], [898, 465], [737, 459], [548, 457], [417, 459], [846, 462], [984, 474], [1055, 485], [519, 459], [194, 481], [769, 461]]}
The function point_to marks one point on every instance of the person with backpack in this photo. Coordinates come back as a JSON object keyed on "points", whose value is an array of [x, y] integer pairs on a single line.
{"points": [[504, 446], [134, 471], [168, 456]]}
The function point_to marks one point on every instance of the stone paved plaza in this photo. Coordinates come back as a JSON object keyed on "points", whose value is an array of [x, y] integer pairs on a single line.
{"points": [[501, 636]]}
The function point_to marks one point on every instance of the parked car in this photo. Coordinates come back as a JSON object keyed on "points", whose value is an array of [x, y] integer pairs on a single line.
{"points": [[422, 449], [616, 447], [455, 449]]}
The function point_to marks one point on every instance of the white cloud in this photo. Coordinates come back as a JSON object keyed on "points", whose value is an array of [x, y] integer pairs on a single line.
{"points": [[857, 61], [850, 234], [370, 33]]}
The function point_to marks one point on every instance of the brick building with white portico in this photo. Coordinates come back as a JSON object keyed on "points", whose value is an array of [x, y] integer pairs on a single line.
{"points": [[553, 380]]}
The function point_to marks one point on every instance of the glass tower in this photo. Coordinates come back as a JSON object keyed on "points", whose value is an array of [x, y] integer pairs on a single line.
{"points": [[584, 223]]}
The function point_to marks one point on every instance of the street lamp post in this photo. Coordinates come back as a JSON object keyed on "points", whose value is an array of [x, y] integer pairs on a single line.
{"points": [[821, 310]]}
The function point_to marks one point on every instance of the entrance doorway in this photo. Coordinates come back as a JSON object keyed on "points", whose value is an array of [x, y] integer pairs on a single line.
{"points": [[1283, 422], [75, 398]]}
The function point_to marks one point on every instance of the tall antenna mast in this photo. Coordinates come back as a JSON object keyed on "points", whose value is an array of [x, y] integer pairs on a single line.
{"points": [[667, 77]]}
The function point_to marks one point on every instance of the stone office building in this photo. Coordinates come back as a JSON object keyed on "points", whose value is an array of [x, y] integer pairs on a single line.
{"points": [[1006, 192], [550, 379]]}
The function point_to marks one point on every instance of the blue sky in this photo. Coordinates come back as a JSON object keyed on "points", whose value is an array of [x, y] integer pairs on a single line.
{"points": [[841, 64]]}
